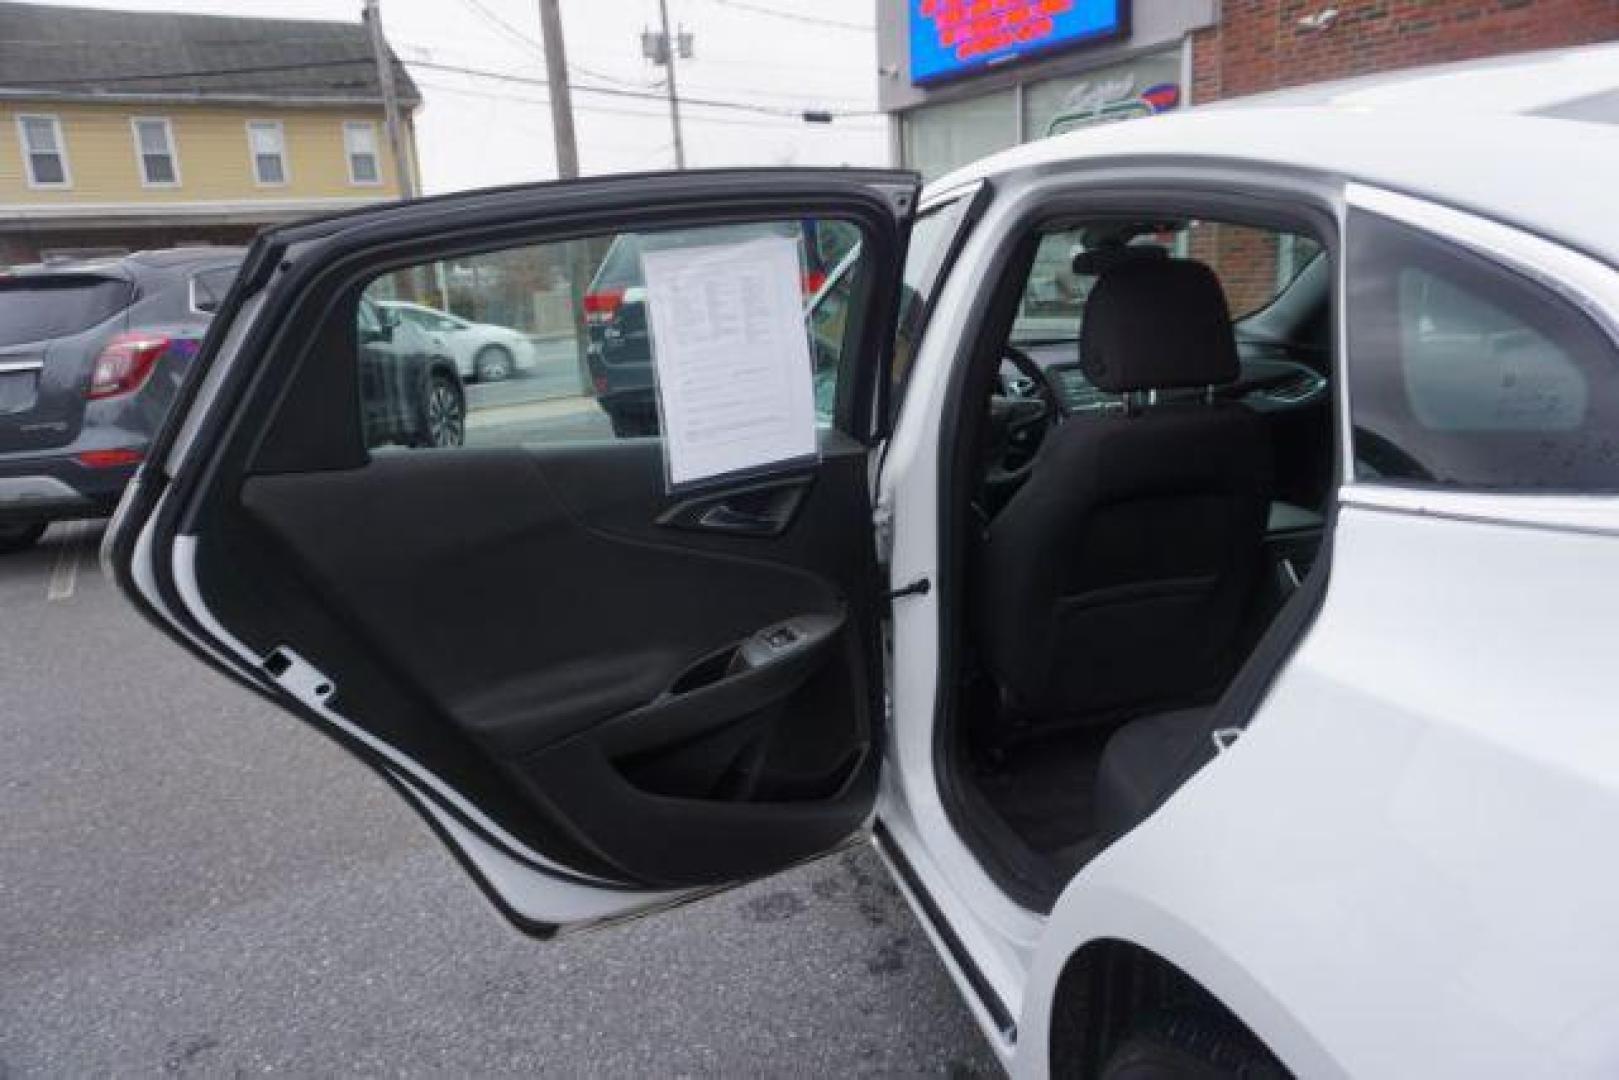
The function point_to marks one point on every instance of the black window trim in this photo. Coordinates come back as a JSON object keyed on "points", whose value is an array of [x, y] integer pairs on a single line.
{"points": [[889, 398]]}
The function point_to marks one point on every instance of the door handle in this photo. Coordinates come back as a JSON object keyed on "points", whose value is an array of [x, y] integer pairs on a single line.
{"points": [[765, 509], [726, 518]]}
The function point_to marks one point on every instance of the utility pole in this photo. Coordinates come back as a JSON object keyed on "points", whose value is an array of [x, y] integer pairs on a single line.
{"points": [[390, 101], [670, 47], [556, 76]]}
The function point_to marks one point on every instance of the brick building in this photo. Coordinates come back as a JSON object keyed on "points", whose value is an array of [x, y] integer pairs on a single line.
{"points": [[962, 78]]}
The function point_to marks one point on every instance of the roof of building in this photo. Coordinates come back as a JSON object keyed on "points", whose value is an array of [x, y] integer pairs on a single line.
{"points": [[68, 52], [1532, 139]]}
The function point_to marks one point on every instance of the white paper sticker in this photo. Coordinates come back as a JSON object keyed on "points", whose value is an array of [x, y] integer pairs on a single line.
{"points": [[732, 358]]}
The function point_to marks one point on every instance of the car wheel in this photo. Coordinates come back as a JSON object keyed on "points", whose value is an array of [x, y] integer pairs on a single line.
{"points": [[1191, 1046], [15, 538], [444, 413], [493, 363]]}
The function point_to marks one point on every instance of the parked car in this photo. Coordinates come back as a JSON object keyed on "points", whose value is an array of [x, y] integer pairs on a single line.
{"points": [[619, 353], [91, 354], [482, 351], [1247, 715], [410, 387]]}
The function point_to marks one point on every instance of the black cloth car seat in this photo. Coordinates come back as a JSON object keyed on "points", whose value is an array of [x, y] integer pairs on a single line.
{"points": [[1116, 581]]}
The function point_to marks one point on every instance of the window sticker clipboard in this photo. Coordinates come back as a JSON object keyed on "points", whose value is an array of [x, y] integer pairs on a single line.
{"points": [[731, 360]]}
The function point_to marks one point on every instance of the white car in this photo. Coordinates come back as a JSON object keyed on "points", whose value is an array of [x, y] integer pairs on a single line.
{"points": [[1225, 679], [482, 351]]}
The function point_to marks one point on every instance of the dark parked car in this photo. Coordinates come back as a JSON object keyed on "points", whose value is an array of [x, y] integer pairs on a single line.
{"points": [[411, 390], [91, 354], [619, 353]]}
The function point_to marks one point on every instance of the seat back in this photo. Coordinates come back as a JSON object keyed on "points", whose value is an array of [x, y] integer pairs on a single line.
{"points": [[1117, 580]]}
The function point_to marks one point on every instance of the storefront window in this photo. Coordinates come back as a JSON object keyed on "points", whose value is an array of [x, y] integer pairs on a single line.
{"points": [[1118, 91], [938, 138]]}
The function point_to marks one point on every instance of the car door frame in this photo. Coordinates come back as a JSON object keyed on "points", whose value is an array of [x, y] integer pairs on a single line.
{"points": [[538, 894], [992, 943]]}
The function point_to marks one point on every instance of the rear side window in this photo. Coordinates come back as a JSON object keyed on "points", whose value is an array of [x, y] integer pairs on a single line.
{"points": [[208, 288], [1463, 373], [38, 309]]}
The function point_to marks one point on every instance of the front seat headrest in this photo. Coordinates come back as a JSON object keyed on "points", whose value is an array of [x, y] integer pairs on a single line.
{"points": [[1102, 259], [1157, 325]]}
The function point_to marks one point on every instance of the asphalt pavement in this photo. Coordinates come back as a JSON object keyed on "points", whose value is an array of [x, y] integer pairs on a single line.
{"points": [[192, 883]]}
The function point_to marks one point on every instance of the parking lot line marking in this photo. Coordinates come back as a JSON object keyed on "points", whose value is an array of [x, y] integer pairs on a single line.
{"points": [[65, 574]]}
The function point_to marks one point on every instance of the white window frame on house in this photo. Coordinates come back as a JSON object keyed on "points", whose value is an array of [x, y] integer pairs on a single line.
{"points": [[281, 152], [59, 149], [135, 123], [350, 127]]}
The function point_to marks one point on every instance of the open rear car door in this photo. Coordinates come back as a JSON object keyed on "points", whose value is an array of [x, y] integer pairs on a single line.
{"points": [[603, 694]]}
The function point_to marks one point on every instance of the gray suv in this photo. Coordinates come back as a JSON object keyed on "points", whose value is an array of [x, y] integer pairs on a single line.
{"points": [[91, 355]]}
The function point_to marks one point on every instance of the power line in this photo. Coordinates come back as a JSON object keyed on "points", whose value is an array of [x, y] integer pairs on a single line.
{"points": [[514, 32], [712, 103], [786, 122], [431, 65], [794, 16]]}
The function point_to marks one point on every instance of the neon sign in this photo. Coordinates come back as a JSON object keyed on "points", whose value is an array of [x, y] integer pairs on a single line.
{"points": [[950, 38]]}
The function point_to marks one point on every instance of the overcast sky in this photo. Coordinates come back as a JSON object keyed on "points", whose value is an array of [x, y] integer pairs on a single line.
{"points": [[476, 131]]}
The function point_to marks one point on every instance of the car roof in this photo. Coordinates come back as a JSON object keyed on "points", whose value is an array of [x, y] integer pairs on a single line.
{"points": [[124, 265], [185, 256], [1531, 139]]}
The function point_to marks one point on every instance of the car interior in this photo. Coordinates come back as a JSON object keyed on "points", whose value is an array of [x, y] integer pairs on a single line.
{"points": [[1151, 477]]}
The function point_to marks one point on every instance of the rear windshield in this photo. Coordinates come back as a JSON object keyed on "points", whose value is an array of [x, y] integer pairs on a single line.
{"points": [[38, 309]]}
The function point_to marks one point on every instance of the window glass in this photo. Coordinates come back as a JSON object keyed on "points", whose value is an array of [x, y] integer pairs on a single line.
{"points": [[43, 307], [155, 144], [934, 240], [208, 287], [267, 141], [1111, 93], [1466, 374], [1253, 264], [939, 138], [360, 141], [528, 367], [42, 145]]}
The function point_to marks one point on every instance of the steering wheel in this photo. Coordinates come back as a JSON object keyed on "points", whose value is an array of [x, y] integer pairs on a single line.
{"points": [[1018, 424]]}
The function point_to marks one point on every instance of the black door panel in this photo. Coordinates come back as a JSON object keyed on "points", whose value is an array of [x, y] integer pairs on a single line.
{"points": [[534, 605], [595, 692]]}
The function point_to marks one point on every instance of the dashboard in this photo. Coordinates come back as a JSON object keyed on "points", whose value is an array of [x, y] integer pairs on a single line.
{"points": [[1269, 382]]}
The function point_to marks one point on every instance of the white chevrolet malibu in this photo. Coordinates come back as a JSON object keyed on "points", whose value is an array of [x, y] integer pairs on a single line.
{"points": [[1200, 585]]}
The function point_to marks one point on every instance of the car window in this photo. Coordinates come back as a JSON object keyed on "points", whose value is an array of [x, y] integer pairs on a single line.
{"points": [[1466, 374], [38, 308], [1254, 266], [568, 374], [208, 288]]}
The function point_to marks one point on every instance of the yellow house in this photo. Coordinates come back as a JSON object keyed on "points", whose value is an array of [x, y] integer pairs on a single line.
{"points": [[125, 130]]}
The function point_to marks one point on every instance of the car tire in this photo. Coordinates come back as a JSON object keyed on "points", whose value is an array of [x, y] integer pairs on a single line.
{"points": [[493, 363], [444, 413], [15, 538], [1191, 1046]]}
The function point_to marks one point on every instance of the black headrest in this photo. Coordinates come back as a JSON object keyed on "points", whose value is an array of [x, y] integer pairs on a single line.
{"points": [[1101, 260], [1157, 325]]}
